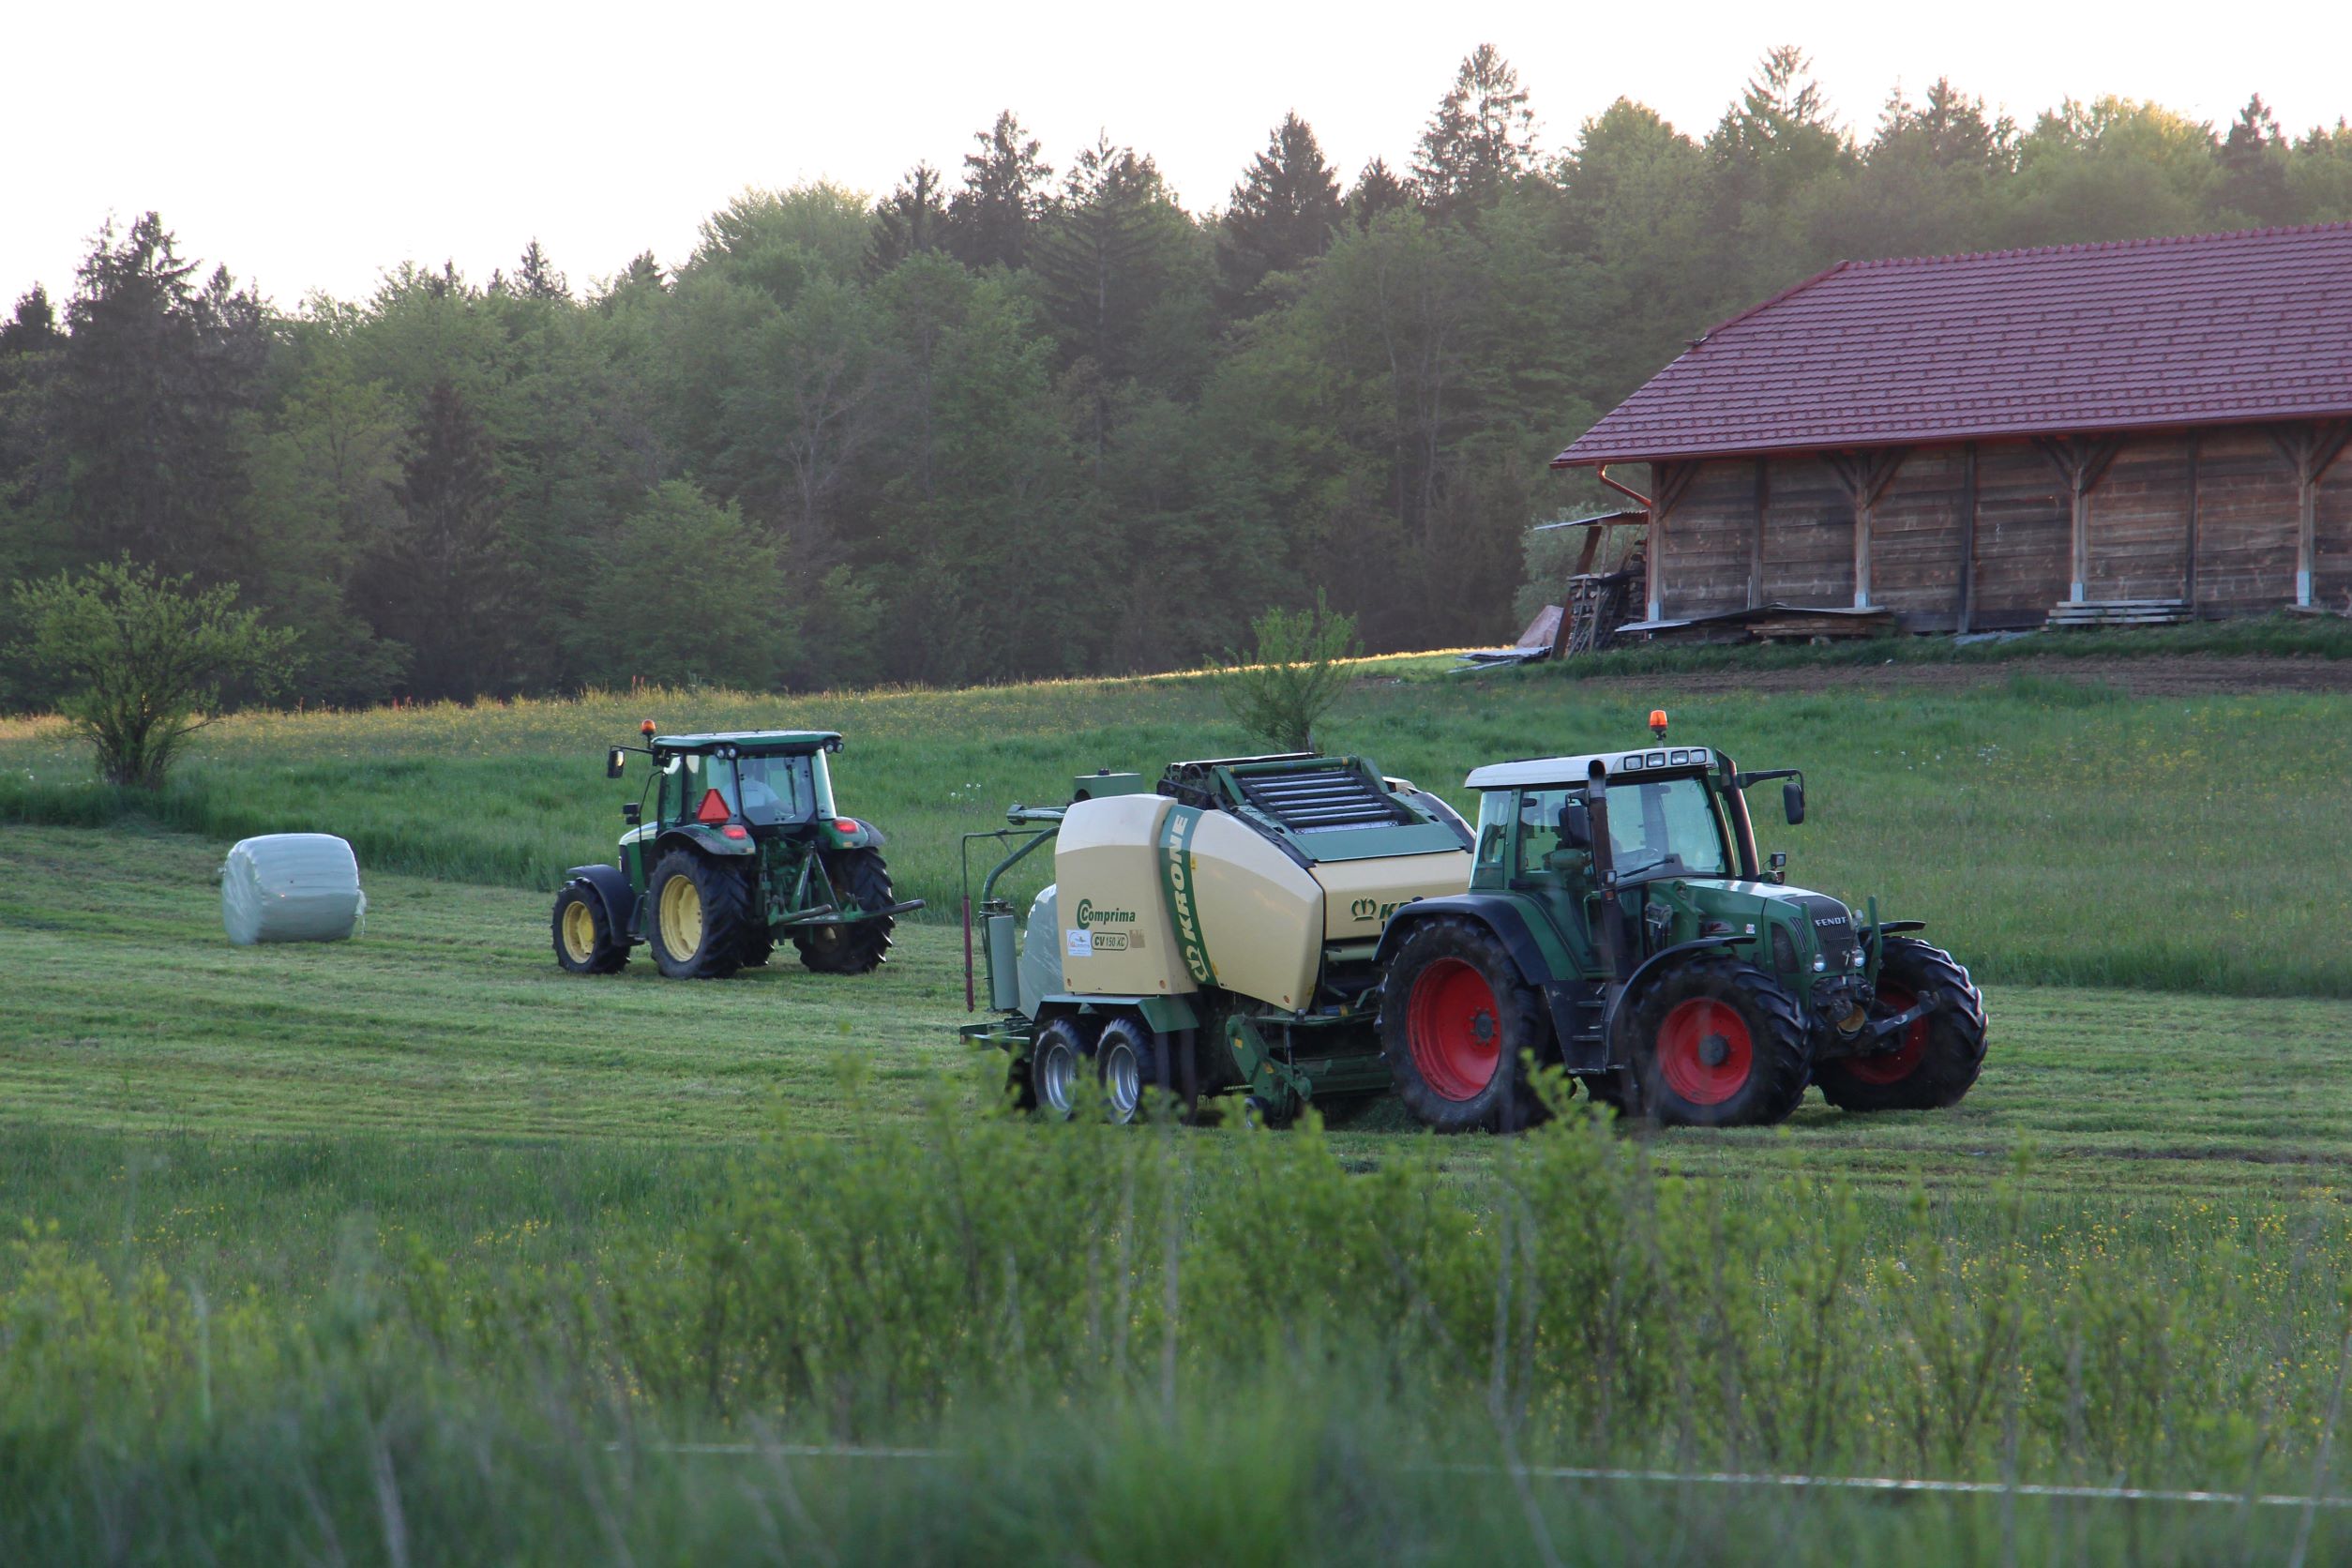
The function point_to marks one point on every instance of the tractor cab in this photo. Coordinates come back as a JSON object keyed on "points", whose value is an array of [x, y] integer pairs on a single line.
{"points": [[771, 783]]}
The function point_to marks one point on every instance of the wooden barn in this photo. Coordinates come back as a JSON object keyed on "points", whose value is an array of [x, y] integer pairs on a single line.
{"points": [[2139, 430]]}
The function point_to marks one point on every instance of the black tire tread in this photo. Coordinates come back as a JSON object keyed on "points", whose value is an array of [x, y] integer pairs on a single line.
{"points": [[1783, 1053], [863, 946], [1508, 1105], [610, 954], [1956, 1039], [726, 916]]}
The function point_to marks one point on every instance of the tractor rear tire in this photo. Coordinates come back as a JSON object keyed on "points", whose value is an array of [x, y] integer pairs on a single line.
{"points": [[586, 943], [698, 916], [1057, 1062], [1456, 1016], [1719, 1043], [1940, 1055], [855, 946]]}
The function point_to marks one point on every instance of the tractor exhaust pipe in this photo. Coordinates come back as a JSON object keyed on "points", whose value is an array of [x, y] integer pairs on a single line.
{"points": [[1616, 951]]}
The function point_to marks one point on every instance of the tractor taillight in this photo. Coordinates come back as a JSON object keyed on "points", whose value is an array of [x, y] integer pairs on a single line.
{"points": [[735, 830], [843, 824], [714, 809]]}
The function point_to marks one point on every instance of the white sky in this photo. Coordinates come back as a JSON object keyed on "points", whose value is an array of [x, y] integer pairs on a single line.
{"points": [[310, 147]]}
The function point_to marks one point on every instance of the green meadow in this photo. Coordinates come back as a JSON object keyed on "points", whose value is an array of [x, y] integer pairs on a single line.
{"points": [[414, 1249]]}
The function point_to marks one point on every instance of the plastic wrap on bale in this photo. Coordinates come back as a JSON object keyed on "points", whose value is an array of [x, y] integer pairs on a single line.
{"points": [[291, 887]]}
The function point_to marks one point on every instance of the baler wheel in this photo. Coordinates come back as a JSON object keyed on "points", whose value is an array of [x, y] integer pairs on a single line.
{"points": [[1057, 1061], [857, 946], [1455, 1017], [1719, 1043], [701, 914], [1128, 1058], [584, 940], [1940, 1055]]}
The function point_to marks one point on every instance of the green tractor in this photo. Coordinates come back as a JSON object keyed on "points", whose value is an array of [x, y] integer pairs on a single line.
{"points": [[1617, 923], [744, 846]]}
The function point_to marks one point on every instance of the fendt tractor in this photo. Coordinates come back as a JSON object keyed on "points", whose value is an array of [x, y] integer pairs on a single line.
{"points": [[745, 847], [1612, 920]]}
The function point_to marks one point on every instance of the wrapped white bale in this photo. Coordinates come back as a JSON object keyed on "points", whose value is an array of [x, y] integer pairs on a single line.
{"points": [[291, 887]]}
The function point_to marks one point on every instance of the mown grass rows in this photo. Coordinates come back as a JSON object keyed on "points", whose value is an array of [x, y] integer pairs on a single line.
{"points": [[2052, 831]]}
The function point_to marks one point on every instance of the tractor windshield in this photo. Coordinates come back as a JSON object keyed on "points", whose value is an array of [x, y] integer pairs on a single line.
{"points": [[775, 789], [1666, 824]]}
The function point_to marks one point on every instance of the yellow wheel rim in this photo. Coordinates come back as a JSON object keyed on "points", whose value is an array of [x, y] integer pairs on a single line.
{"points": [[680, 918], [580, 931]]}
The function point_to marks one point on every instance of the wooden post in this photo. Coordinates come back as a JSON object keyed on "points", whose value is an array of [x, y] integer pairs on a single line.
{"points": [[2307, 449], [1668, 481], [2082, 462], [2196, 480], [1865, 477], [1967, 535], [1756, 538]]}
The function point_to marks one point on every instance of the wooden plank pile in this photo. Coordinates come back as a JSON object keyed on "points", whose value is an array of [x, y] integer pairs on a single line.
{"points": [[2121, 612]]}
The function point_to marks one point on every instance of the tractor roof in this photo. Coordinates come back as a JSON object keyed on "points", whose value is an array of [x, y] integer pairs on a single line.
{"points": [[786, 741], [1554, 773]]}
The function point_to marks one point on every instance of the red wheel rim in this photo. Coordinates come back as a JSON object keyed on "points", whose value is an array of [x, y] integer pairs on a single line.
{"points": [[1705, 1051], [1454, 1028], [1897, 1065]]}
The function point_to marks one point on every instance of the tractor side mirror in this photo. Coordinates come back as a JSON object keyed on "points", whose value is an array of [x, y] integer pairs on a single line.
{"points": [[615, 760], [1575, 825], [632, 813], [1792, 801]]}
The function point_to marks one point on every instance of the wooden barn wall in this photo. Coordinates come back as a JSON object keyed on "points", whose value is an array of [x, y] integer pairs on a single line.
{"points": [[1705, 550], [2138, 526], [1915, 539], [2331, 545], [1808, 534], [2138, 523], [2246, 523], [2024, 536]]}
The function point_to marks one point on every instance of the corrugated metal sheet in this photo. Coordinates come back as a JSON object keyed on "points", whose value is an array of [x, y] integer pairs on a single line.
{"points": [[2137, 334]]}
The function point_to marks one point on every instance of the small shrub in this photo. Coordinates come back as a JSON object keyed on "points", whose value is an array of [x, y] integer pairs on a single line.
{"points": [[1295, 676]]}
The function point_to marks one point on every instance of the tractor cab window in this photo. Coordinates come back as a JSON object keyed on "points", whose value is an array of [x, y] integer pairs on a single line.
{"points": [[1544, 840], [1667, 826], [776, 790]]}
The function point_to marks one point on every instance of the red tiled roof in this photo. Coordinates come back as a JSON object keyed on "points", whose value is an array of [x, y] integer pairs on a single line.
{"points": [[2207, 329]]}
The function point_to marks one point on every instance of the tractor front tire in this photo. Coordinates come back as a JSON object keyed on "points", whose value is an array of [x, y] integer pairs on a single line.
{"points": [[1719, 1043], [1940, 1055], [855, 947], [698, 917], [586, 943], [1456, 1016]]}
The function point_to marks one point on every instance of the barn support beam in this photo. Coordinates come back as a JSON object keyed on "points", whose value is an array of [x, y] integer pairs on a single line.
{"points": [[1865, 477], [1967, 537], [2082, 462], [2196, 522], [1670, 480], [1756, 534], [2309, 449]]}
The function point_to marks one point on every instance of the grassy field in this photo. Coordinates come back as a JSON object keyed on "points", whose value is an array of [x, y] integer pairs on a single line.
{"points": [[414, 1250], [2053, 829]]}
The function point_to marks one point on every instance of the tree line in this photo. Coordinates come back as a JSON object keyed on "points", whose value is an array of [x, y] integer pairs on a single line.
{"points": [[1027, 418]]}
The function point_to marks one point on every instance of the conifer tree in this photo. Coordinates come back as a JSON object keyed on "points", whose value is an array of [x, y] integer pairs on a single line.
{"points": [[1482, 139], [909, 222], [1282, 213], [1377, 190], [993, 219], [535, 276], [439, 578]]}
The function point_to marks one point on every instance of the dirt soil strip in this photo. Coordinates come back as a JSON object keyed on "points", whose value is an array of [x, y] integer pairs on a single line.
{"points": [[2193, 675]]}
